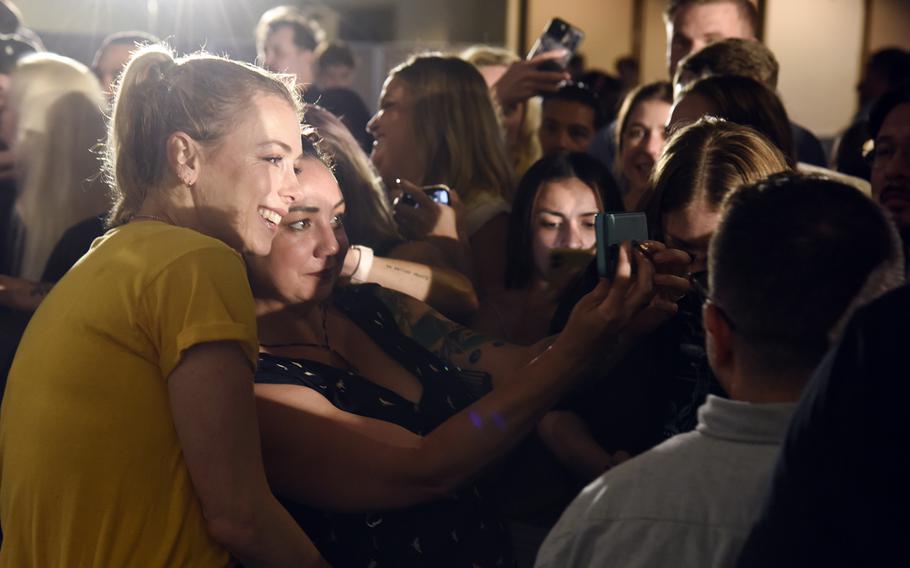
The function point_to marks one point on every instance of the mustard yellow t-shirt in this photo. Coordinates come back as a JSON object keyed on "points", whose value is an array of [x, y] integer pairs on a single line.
{"points": [[91, 472]]}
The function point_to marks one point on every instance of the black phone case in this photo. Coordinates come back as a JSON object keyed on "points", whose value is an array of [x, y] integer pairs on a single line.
{"points": [[558, 34]]}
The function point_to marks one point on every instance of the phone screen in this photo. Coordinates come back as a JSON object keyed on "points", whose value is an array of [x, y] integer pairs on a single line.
{"points": [[438, 193]]}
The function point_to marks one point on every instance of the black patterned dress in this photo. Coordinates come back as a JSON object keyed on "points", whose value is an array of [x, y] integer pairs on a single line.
{"points": [[460, 530]]}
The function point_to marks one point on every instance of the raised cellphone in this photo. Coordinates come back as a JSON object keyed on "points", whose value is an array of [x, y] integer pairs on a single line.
{"points": [[612, 229], [558, 34], [438, 193]]}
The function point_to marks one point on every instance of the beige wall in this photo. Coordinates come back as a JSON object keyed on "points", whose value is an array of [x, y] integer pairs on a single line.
{"points": [[84, 15], [415, 20], [654, 42], [607, 25], [513, 25], [818, 44], [889, 24]]}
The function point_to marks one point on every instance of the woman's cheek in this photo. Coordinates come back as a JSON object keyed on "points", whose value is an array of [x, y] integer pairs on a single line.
{"points": [[545, 238], [588, 238], [541, 244]]}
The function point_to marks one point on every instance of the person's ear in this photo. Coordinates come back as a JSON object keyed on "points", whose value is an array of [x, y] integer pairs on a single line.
{"points": [[184, 156], [718, 338]]}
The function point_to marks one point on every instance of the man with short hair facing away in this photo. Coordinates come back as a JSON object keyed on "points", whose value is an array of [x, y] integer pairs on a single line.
{"points": [[780, 294], [839, 495], [731, 56], [748, 58], [287, 42], [569, 119]]}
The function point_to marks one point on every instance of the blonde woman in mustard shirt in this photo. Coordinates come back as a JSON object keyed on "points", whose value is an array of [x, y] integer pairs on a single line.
{"points": [[128, 432]]}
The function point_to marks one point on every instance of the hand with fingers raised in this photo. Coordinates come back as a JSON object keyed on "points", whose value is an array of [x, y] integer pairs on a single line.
{"points": [[524, 79], [605, 312], [671, 284]]}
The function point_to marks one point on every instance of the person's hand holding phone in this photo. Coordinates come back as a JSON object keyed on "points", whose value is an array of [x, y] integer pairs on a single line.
{"points": [[604, 313], [419, 216], [525, 79]]}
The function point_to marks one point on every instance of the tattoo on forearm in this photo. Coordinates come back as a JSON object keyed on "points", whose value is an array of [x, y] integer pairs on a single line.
{"points": [[448, 339], [395, 268], [437, 334], [399, 308], [443, 338]]}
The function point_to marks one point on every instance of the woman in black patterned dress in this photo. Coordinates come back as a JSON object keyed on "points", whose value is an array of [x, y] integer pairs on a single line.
{"points": [[378, 414]]}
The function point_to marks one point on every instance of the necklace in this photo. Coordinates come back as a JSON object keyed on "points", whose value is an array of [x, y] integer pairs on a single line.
{"points": [[325, 345], [151, 218]]}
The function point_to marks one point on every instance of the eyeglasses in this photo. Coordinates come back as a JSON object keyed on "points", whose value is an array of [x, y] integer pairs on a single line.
{"points": [[700, 284]]}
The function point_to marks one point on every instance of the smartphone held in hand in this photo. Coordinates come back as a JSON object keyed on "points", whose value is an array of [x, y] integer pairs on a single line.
{"points": [[613, 229], [558, 35], [440, 193]]}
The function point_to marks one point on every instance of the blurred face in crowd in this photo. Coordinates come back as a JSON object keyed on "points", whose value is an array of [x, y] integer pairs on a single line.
{"points": [[308, 251], [891, 167], [110, 64], [245, 183], [562, 218], [392, 128], [697, 25], [565, 126], [281, 55], [336, 77], [512, 115], [687, 110], [642, 141], [690, 229]]}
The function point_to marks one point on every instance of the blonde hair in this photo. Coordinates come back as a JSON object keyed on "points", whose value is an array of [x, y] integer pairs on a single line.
{"points": [[705, 161], [202, 95], [58, 103], [526, 150], [455, 126], [369, 219]]}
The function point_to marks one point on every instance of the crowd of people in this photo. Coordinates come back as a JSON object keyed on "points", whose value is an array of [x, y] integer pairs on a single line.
{"points": [[246, 323]]}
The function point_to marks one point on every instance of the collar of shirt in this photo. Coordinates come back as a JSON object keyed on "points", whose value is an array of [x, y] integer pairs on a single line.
{"points": [[743, 421]]}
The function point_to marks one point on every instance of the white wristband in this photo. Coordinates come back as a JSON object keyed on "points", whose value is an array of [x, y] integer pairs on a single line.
{"points": [[364, 265]]}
